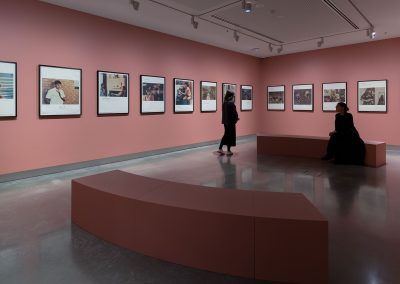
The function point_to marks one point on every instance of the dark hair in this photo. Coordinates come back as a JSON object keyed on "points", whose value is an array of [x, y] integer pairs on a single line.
{"points": [[57, 82], [229, 95], [343, 105]]}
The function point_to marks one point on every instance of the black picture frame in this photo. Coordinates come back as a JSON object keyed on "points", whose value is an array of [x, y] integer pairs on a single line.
{"points": [[6, 111], [59, 111], [300, 107], [181, 107], [158, 108], [207, 105], [330, 106], [281, 106], [243, 104], [111, 97], [376, 107]]}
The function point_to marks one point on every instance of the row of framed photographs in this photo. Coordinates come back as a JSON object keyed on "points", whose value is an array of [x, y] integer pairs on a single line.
{"points": [[372, 96], [60, 93]]}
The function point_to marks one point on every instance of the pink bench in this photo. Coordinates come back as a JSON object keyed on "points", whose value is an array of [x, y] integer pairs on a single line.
{"points": [[254, 234], [314, 147]]}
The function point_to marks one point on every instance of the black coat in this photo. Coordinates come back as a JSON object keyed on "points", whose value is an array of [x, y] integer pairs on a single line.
{"points": [[229, 119], [229, 113], [345, 145]]}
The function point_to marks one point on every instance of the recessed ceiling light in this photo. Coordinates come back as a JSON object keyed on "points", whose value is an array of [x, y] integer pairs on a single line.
{"points": [[247, 6]]}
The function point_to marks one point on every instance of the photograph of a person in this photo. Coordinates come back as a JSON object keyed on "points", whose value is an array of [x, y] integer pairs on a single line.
{"points": [[183, 95], [372, 96], [303, 97], [276, 98], [228, 87], [246, 97], [112, 93], [208, 94], [60, 91], [333, 93], [8, 89], [152, 94]]}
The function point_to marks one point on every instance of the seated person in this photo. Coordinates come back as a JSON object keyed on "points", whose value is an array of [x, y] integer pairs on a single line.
{"points": [[345, 145]]}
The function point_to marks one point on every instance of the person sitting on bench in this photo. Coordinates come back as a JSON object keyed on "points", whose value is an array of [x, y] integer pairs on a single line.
{"points": [[345, 145]]}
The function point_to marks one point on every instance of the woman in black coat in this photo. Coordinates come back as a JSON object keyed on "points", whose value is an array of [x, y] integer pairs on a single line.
{"points": [[345, 145], [229, 119]]}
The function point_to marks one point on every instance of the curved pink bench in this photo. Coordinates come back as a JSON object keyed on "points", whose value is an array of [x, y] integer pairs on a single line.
{"points": [[314, 147], [254, 234]]}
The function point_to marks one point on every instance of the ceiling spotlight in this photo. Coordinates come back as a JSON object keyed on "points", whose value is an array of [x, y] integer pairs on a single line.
{"points": [[195, 24], [320, 42], [135, 5], [270, 48], [236, 36], [280, 49], [247, 6], [371, 32]]}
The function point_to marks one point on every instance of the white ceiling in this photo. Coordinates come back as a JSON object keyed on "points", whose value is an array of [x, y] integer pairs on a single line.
{"points": [[296, 24]]}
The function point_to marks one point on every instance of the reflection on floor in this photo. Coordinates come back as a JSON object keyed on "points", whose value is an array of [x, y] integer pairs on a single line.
{"points": [[38, 244]]}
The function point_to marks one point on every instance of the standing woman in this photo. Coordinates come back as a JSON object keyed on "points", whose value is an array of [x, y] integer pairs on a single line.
{"points": [[229, 119], [345, 144]]}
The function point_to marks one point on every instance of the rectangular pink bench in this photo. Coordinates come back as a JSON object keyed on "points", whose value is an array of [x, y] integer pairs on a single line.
{"points": [[314, 147], [264, 235]]}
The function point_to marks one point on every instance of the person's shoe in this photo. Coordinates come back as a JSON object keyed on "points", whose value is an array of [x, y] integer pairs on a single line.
{"points": [[326, 158], [220, 152], [229, 153]]}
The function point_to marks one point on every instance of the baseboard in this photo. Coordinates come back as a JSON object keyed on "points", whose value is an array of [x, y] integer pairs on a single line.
{"points": [[99, 162], [394, 148]]}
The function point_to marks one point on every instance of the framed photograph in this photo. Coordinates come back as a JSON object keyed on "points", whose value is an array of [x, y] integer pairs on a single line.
{"points": [[276, 98], [183, 95], [228, 87], [333, 93], [152, 94], [60, 92], [8, 89], [303, 97], [208, 94], [246, 97], [372, 96], [112, 93]]}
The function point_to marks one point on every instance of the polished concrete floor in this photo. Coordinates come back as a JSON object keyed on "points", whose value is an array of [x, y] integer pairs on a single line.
{"points": [[38, 243]]}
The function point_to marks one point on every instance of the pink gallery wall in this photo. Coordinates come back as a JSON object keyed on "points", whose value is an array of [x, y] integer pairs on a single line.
{"points": [[375, 60], [36, 33]]}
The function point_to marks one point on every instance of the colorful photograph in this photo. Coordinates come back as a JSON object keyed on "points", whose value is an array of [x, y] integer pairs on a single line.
{"points": [[7, 84], [60, 91]]}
